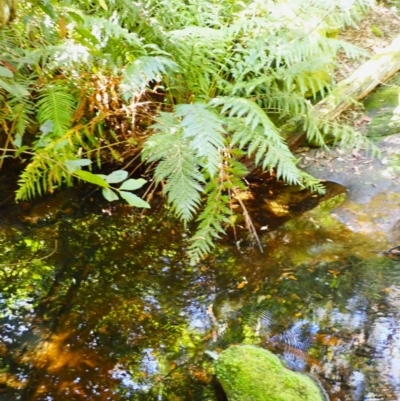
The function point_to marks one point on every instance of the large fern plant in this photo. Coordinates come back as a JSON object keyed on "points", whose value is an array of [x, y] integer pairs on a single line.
{"points": [[221, 78]]}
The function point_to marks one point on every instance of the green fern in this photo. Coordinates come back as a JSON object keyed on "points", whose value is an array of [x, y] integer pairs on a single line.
{"points": [[217, 213], [56, 104], [178, 165], [254, 130], [230, 71], [143, 70], [205, 131]]}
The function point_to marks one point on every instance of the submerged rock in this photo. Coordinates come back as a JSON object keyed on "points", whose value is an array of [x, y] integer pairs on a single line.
{"points": [[247, 372]]}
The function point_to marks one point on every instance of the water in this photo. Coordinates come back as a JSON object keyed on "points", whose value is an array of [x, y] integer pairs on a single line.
{"points": [[102, 303]]}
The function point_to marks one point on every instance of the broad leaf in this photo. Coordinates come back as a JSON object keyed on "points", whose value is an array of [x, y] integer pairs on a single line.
{"points": [[132, 184], [134, 200], [92, 178], [5, 72], [46, 127], [103, 4], [117, 176], [73, 165], [14, 89], [109, 194]]}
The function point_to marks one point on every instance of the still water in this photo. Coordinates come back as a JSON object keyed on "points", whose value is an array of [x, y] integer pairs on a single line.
{"points": [[99, 302]]}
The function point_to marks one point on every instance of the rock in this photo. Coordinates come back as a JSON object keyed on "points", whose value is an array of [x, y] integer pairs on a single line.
{"points": [[247, 372]]}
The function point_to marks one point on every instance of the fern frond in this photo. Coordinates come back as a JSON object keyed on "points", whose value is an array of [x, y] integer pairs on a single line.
{"points": [[217, 213], [211, 221], [256, 131], [109, 29], [43, 173], [143, 70], [177, 165], [204, 128], [56, 104]]}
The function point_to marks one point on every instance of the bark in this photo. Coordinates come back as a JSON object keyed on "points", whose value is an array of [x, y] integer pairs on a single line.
{"points": [[358, 85]]}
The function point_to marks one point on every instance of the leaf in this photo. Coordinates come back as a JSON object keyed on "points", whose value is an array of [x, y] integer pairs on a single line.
{"points": [[205, 129], [103, 5], [132, 184], [92, 178], [15, 89], [73, 165], [143, 70], [134, 200], [5, 72], [87, 35], [46, 127], [109, 194], [117, 176], [57, 104], [20, 150], [17, 142]]}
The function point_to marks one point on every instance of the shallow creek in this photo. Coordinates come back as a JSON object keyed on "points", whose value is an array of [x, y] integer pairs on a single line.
{"points": [[102, 303]]}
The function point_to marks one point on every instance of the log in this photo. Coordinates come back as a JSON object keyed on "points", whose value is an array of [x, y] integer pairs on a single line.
{"points": [[359, 84]]}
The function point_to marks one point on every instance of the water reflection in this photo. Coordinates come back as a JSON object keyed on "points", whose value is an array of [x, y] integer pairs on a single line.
{"points": [[117, 312]]}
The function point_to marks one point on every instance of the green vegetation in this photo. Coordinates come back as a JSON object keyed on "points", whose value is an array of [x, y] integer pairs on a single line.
{"points": [[193, 88], [247, 372]]}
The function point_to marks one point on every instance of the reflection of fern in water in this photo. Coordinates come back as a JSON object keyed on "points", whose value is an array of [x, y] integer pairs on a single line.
{"points": [[291, 339]]}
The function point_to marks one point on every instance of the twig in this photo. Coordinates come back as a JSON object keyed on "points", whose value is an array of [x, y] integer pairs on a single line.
{"points": [[247, 218]]}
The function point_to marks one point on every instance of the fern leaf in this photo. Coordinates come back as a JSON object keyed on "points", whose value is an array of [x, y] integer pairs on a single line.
{"points": [[260, 135], [143, 70], [177, 165], [204, 129], [215, 214], [57, 105]]}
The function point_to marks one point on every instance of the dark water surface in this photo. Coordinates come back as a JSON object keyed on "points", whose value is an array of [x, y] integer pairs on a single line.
{"points": [[104, 304]]}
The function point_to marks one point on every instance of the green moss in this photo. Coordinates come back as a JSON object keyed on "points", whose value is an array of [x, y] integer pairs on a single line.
{"points": [[383, 125], [383, 97], [250, 373], [331, 203]]}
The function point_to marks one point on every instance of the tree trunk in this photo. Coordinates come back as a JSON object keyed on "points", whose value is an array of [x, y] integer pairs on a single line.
{"points": [[361, 82]]}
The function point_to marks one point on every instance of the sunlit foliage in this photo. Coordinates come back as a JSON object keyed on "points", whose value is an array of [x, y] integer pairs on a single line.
{"points": [[196, 87]]}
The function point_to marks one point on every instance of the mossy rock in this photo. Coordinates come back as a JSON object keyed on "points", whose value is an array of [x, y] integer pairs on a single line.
{"points": [[384, 124], [250, 373]]}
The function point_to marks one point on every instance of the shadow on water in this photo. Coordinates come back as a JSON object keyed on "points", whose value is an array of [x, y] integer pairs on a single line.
{"points": [[104, 305]]}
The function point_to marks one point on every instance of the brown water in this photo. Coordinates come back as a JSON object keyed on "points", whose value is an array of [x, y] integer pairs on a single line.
{"points": [[102, 303]]}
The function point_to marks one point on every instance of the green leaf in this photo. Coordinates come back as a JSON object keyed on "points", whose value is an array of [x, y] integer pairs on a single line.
{"points": [[103, 5], [20, 150], [117, 176], [5, 72], [73, 165], [57, 104], [109, 194], [87, 35], [134, 200], [17, 142], [92, 178], [138, 74], [46, 127], [132, 184], [48, 9], [205, 130], [15, 89]]}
